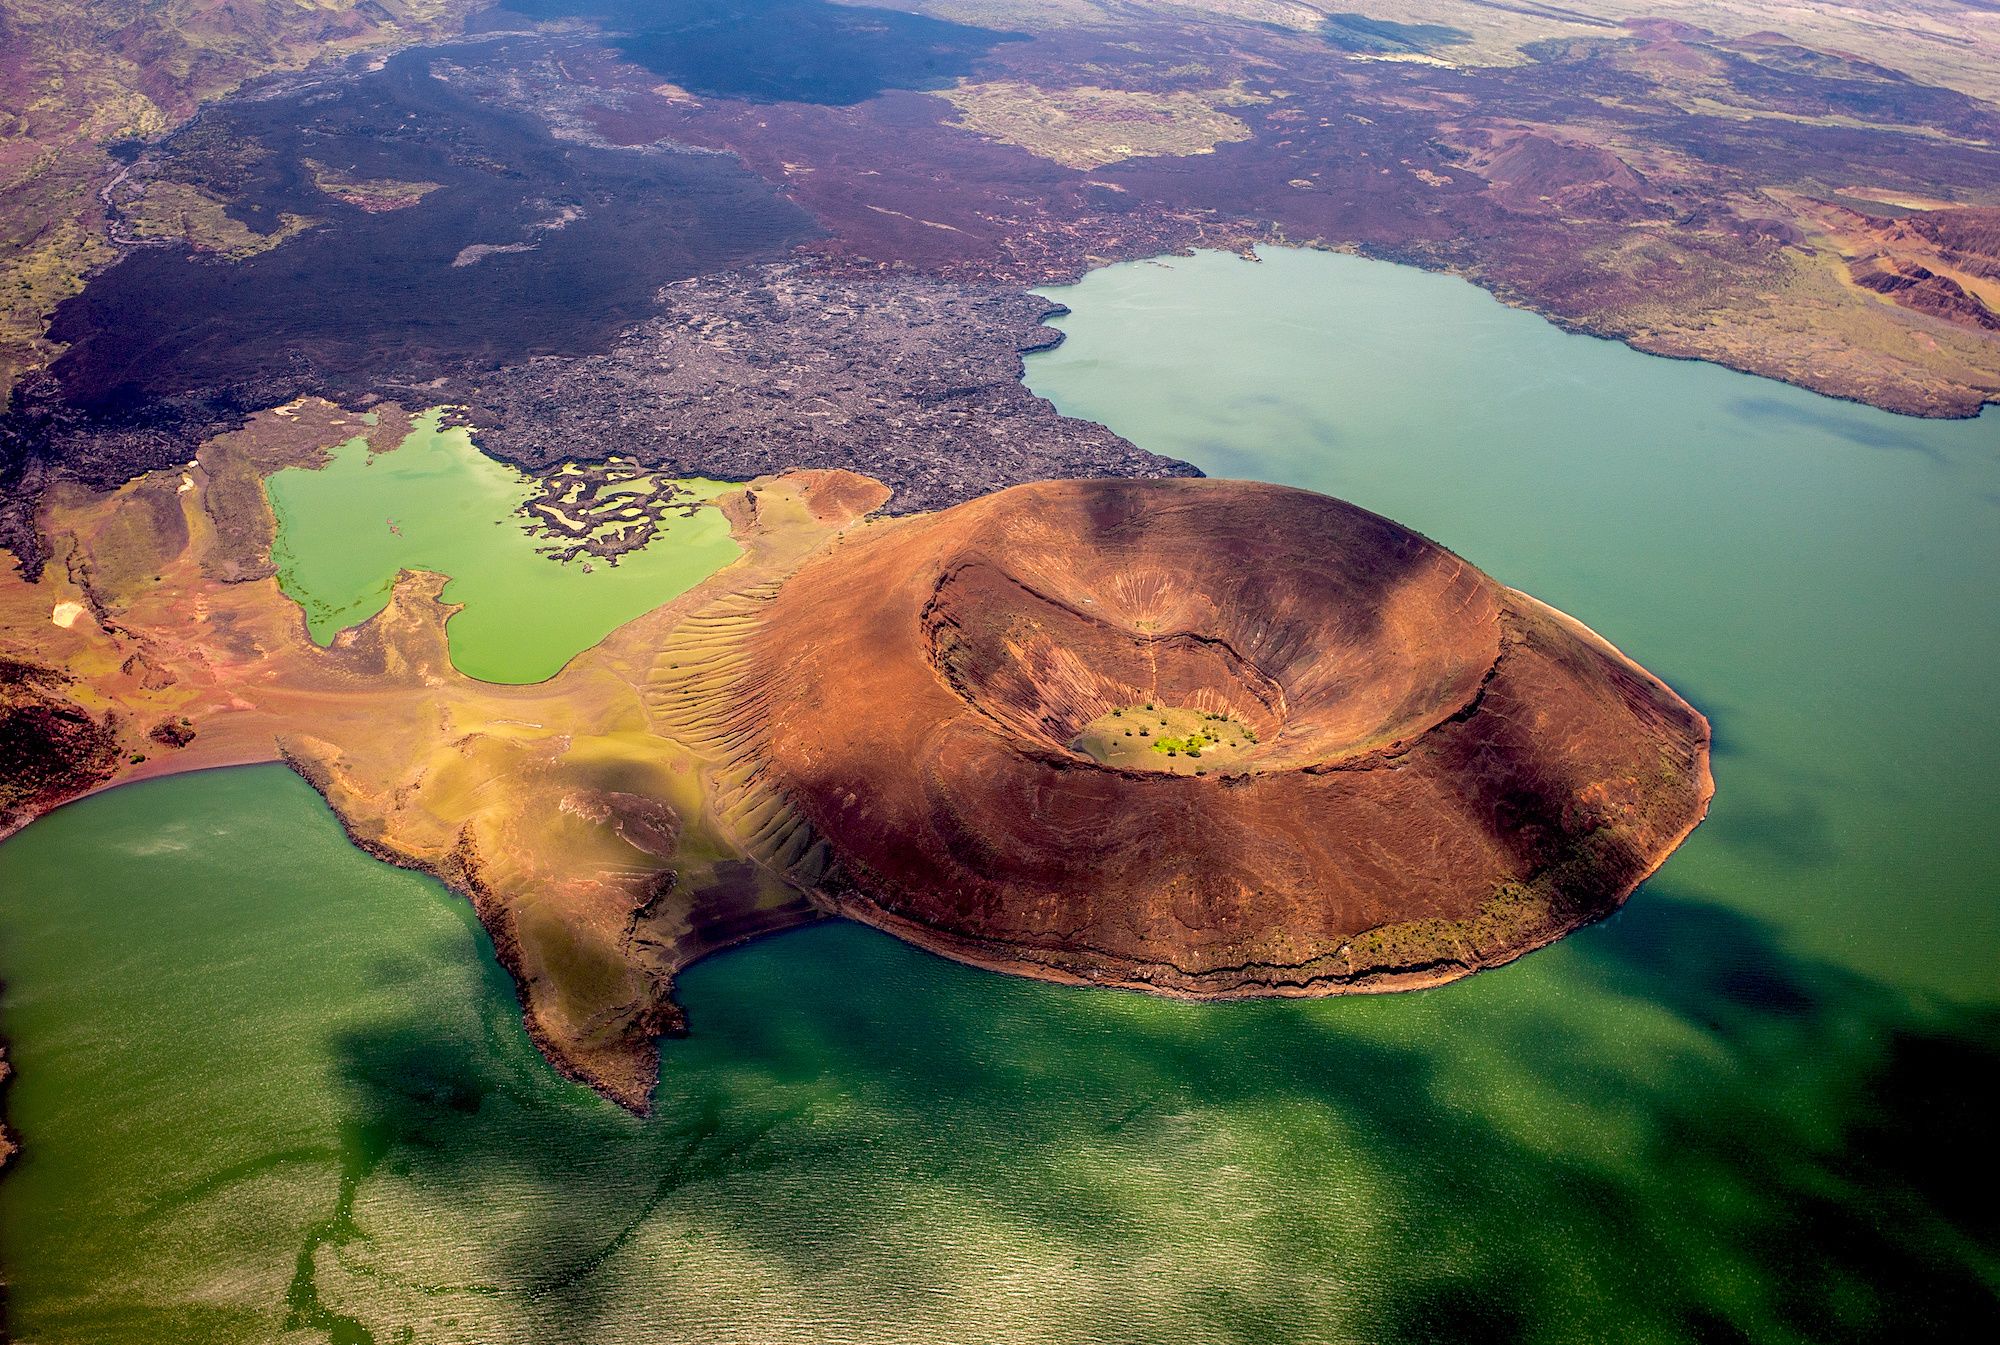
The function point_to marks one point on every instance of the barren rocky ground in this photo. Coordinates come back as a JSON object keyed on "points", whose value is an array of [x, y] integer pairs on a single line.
{"points": [[914, 381], [542, 207]]}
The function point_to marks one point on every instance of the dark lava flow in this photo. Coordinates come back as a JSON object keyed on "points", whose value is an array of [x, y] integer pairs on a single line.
{"points": [[529, 245], [797, 51], [585, 238]]}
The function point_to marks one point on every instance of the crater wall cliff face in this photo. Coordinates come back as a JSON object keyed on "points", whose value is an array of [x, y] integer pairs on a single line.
{"points": [[1441, 773]]}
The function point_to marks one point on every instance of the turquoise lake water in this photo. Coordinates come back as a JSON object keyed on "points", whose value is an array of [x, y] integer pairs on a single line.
{"points": [[292, 1100]]}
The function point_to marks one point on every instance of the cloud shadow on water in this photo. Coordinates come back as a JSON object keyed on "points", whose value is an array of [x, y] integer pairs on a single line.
{"points": [[1812, 1169], [802, 51], [1864, 427], [1793, 832]]}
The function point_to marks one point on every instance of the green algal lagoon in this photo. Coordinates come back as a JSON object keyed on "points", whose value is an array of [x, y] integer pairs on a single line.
{"points": [[345, 530], [273, 1090]]}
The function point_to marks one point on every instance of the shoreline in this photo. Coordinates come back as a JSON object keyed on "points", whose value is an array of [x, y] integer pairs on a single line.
{"points": [[1925, 411], [9, 1144], [724, 460], [461, 878], [970, 952]]}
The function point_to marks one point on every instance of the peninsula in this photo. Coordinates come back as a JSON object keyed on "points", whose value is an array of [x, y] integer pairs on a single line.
{"points": [[1380, 768]]}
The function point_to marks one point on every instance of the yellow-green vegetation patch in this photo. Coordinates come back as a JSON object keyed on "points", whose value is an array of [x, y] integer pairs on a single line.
{"points": [[1519, 914], [177, 210], [369, 193], [1154, 737], [35, 277], [1088, 127]]}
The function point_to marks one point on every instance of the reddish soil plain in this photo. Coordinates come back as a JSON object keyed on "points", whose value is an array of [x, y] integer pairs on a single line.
{"points": [[1652, 181], [1422, 773]]}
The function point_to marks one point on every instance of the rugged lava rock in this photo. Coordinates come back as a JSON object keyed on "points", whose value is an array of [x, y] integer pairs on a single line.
{"points": [[50, 746], [1438, 773], [914, 382]]}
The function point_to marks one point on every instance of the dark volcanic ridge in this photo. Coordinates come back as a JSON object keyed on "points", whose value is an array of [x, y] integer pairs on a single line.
{"points": [[51, 748], [1420, 772]]}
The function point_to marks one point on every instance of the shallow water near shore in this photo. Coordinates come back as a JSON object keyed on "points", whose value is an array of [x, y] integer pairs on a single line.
{"points": [[436, 503], [273, 1101]]}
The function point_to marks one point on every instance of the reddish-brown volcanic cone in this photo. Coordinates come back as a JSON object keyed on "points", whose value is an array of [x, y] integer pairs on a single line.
{"points": [[1445, 774]]}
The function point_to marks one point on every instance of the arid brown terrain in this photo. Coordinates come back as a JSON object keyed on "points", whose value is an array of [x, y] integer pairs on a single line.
{"points": [[1440, 773]]}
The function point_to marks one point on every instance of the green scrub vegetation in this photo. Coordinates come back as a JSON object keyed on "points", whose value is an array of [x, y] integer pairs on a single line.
{"points": [[1147, 736]]}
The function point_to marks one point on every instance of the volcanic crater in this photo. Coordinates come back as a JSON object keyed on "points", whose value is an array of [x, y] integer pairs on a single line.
{"points": [[1208, 738]]}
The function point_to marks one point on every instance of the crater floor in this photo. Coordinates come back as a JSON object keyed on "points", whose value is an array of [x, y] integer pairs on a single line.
{"points": [[1166, 738]]}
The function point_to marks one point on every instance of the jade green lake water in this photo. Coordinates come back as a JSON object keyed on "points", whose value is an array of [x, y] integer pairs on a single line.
{"points": [[273, 1090], [436, 503]]}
